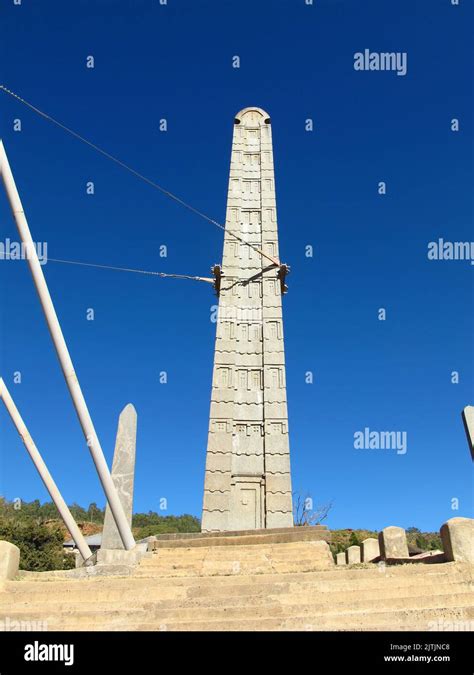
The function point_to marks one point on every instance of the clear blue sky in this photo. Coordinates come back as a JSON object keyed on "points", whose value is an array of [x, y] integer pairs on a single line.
{"points": [[370, 251]]}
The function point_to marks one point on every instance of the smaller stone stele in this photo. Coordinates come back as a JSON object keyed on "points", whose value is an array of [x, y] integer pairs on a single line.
{"points": [[393, 543], [341, 558], [370, 550], [353, 555], [123, 475], [457, 535], [9, 560]]}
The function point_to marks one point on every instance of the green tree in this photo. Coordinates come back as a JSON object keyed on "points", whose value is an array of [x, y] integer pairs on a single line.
{"points": [[95, 514], [41, 547], [354, 539]]}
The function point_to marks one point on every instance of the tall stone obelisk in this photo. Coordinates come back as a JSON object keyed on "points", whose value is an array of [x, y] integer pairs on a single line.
{"points": [[247, 481]]}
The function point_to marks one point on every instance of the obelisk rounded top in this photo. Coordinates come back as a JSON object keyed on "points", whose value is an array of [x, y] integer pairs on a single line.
{"points": [[252, 117]]}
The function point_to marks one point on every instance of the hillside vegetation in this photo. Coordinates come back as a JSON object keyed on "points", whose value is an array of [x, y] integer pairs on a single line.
{"points": [[39, 532], [417, 540]]}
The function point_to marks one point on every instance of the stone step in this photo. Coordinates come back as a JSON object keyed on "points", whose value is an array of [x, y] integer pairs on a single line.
{"points": [[235, 533], [235, 553], [133, 612], [228, 569], [293, 557], [156, 562], [266, 541], [301, 618], [211, 566], [420, 574], [114, 589], [106, 600], [250, 538], [154, 566], [411, 620], [366, 598], [288, 553]]}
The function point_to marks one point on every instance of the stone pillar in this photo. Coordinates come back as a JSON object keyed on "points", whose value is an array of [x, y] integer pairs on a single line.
{"points": [[457, 535], [9, 560], [123, 474], [468, 420], [341, 558], [393, 543], [247, 481], [353, 555], [370, 550]]}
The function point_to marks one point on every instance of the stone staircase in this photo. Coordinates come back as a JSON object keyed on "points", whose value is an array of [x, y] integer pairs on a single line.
{"points": [[289, 586]]}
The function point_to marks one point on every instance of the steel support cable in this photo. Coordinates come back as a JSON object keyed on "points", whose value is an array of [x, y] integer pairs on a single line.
{"points": [[134, 172]]}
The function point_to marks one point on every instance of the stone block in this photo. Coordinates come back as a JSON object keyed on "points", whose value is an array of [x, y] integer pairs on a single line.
{"points": [[353, 555], [279, 519], [278, 482], [277, 463], [341, 558], [393, 543], [9, 560], [277, 444], [276, 409], [219, 461], [216, 501], [457, 535], [370, 549], [251, 412], [276, 356], [119, 557], [426, 558], [279, 502], [245, 463], [214, 521], [217, 481], [221, 410]]}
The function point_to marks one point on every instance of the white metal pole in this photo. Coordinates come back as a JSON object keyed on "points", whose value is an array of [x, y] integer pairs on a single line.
{"points": [[46, 477], [63, 354]]}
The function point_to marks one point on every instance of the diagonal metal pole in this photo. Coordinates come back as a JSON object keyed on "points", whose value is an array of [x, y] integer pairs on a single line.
{"points": [[63, 354], [46, 477]]}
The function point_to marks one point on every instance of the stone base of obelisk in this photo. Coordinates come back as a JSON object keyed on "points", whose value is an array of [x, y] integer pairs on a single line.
{"points": [[114, 557], [283, 535]]}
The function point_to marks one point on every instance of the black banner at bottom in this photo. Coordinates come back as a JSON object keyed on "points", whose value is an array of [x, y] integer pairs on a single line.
{"points": [[339, 652]]}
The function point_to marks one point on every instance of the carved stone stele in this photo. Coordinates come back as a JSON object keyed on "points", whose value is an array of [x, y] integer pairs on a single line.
{"points": [[123, 475], [247, 482]]}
